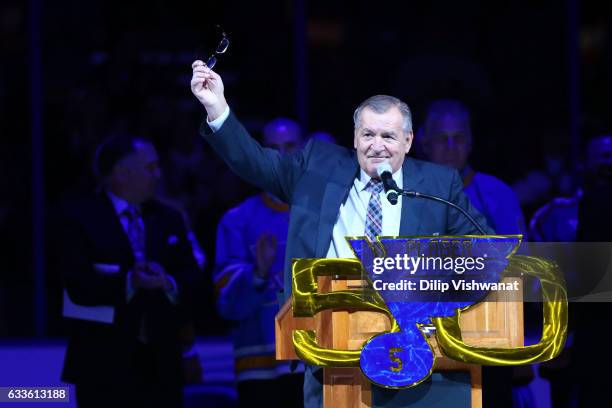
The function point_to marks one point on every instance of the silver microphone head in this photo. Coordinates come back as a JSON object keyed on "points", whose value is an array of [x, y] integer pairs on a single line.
{"points": [[383, 168]]}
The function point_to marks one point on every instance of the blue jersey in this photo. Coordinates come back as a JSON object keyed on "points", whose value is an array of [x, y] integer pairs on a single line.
{"points": [[243, 296]]}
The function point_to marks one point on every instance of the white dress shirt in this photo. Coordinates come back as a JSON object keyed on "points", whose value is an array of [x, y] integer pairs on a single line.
{"points": [[352, 215]]}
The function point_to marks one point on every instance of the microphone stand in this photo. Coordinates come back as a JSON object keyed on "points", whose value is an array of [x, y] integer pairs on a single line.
{"points": [[392, 191], [416, 194]]}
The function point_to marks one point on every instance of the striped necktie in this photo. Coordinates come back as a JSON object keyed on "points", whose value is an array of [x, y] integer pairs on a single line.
{"points": [[373, 224], [135, 232], [136, 235]]}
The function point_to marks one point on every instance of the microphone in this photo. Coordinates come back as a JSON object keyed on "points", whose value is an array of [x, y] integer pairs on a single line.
{"points": [[391, 189]]}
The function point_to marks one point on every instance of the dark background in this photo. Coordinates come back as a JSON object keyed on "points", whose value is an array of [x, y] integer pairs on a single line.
{"points": [[537, 75]]}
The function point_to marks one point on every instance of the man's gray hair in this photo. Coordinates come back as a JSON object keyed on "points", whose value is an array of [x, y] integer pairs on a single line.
{"points": [[381, 104]]}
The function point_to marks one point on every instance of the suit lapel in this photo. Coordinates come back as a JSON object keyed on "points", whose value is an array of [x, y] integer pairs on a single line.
{"points": [[411, 207], [152, 236], [336, 191]]}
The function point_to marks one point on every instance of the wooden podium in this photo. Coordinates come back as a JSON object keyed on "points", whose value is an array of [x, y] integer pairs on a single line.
{"points": [[496, 322]]}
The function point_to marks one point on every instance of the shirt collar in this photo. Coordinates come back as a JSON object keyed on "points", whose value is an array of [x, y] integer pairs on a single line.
{"points": [[119, 203], [362, 181]]}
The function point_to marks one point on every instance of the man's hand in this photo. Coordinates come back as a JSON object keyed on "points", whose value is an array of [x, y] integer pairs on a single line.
{"points": [[149, 275], [156, 270], [265, 254], [207, 86]]}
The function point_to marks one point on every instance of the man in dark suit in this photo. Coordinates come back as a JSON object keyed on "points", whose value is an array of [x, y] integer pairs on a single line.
{"points": [[125, 259], [335, 192], [594, 225]]}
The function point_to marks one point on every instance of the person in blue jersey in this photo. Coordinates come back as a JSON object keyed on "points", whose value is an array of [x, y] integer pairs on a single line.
{"points": [[248, 274], [447, 139]]}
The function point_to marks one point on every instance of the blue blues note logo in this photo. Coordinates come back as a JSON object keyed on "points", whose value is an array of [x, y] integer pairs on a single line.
{"points": [[423, 278]]}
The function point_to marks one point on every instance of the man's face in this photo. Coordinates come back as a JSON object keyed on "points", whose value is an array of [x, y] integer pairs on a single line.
{"points": [[448, 142], [380, 137], [140, 173], [284, 139]]}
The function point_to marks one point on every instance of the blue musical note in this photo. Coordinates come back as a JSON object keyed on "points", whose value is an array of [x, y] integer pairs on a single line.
{"points": [[420, 279]]}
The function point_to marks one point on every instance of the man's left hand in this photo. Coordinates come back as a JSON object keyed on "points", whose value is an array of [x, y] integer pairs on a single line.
{"points": [[155, 269]]}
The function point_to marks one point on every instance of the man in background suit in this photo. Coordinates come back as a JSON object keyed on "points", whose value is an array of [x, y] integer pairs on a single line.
{"points": [[594, 225], [124, 253], [335, 192]]}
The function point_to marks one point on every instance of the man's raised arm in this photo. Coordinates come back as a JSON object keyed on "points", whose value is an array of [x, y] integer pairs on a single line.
{"points": [[266, 168]]}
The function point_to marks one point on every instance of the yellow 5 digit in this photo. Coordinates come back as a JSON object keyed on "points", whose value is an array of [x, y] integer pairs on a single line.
{"points": [[395, 358]]}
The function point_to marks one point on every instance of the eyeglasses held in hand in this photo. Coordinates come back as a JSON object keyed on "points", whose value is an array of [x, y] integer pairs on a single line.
{"points": [[221, 48]]}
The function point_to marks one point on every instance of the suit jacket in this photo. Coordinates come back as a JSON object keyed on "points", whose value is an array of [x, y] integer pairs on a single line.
{"points": [[90, 232], [317, 180]]}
